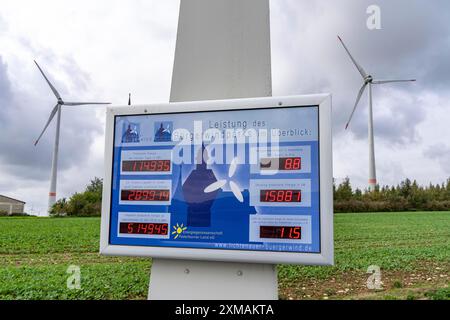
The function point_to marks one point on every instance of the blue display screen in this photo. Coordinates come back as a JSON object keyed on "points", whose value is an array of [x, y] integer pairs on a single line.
{"points": [[226, 180]]}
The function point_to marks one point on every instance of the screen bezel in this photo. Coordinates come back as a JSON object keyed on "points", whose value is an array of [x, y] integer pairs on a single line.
{"points": [[325, 257]]}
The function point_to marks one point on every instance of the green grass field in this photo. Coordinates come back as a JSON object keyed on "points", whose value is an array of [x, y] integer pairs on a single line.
{"points": [[412, 250]]}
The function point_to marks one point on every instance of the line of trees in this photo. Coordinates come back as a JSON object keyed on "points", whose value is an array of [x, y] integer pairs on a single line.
{"points": [[406, 196], [83, 204]]}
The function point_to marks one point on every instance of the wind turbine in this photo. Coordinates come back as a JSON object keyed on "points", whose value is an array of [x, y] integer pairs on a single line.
{"points": [[57, 111], [368, 82]]}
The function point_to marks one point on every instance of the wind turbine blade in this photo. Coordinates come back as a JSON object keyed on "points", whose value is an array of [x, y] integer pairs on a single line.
{"points": [[358, 66], [391, 81], [215, 186], [52, 115], [55, 92], [236, 191], [233, 168], [85, 103], [361, 91]]}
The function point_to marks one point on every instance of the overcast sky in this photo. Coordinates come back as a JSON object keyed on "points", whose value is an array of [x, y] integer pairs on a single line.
{"points": [[104, 49]]}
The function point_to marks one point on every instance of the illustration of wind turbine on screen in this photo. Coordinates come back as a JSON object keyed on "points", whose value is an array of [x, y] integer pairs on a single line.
{"points": [[368, 81], [222, 183], [57, 111]]}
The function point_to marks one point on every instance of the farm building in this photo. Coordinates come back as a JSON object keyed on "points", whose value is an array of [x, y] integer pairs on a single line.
{"points": [[11, 206]]}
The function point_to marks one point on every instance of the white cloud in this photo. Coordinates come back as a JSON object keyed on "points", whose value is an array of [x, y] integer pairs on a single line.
{"points": [[104, 49], [408, 117]]}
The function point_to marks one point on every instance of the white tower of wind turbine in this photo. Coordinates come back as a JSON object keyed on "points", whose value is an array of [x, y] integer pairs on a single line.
{"points": [[368, 81], [57, 110]]}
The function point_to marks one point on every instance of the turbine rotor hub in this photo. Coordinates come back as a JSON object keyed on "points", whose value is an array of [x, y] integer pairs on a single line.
{"points": [[368, 79]]}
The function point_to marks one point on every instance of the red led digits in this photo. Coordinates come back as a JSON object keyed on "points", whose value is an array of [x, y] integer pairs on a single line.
{"points": [[161, 229], [146, 166], [145, 195], [284, 196], [281, 164], [280, 232]]}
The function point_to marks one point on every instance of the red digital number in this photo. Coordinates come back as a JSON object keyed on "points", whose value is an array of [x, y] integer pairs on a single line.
{"points": [[287, 196], [164, 230], [280, 196], [145, 195], [295, 233], [144, 228], [167, 165], [273, 196], [138, 196], [280, 232], [146, 166], [131, 195], [297, 164], [291, 164], [288, 164]]}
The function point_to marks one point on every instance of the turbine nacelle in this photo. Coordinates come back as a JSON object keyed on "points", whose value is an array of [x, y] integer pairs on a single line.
{"points": [[368, 79]]}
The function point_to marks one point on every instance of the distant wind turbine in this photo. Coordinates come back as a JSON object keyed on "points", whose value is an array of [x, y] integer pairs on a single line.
{"points": [[368, 81], [57, 110]]}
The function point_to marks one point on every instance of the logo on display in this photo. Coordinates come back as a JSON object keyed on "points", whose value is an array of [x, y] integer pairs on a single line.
{"points": [[222, 183], [163, 131], [178, 230], [131, 133]]}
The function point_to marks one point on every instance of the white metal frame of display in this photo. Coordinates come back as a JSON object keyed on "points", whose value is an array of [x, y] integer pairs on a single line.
{"points": [[325, 257]]}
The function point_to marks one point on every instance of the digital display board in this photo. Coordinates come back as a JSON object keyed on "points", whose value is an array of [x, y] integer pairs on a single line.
{"points": [[236, 183]]}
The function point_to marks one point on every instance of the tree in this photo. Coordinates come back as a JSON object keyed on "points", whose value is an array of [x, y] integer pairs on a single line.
{"points": [[406, 196], [344, 190], [84, 204], [59, 209], [96, 186]]}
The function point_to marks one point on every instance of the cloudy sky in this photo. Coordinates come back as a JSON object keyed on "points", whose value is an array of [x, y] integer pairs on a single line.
{"points": [[104, 49]]}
